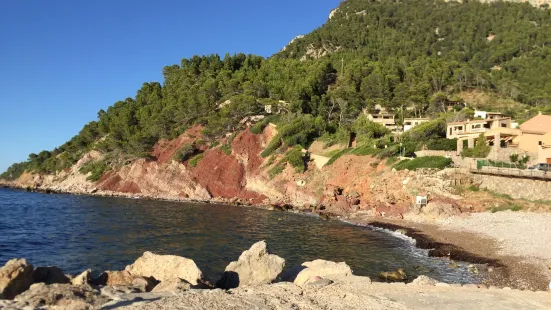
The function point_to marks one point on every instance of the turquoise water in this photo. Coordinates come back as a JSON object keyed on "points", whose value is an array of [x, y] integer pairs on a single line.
{"points": [[80, 232]]}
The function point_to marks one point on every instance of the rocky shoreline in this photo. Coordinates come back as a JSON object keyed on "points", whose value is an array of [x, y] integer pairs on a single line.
{"points": [[167, 282], [503, 273]]}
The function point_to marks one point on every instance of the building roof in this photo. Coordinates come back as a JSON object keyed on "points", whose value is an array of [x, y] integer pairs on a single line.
{"points": [[417, 119], [474, 121], [540, 124], [477, 121]]}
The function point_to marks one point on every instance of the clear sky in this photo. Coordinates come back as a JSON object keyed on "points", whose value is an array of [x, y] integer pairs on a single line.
{"points": [[61, 61]]}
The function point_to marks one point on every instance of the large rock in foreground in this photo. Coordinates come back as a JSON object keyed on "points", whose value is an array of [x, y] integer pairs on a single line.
{"points": [[254, 266], [15, 278], [63, 296], [321, 268], [166, 267]]}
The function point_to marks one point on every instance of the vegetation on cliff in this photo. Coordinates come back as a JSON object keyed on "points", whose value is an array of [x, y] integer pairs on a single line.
{"points": [[409, 57]]}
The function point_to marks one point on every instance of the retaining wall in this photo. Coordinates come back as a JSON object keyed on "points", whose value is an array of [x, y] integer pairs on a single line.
{"points": [[515, 187]]}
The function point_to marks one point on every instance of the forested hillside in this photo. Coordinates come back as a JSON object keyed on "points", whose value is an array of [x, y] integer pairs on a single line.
{"points": [[416, 53]]}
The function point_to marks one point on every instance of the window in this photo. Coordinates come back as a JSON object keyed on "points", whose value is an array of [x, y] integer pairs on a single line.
{"points": [[503, 125], [540, 142]]}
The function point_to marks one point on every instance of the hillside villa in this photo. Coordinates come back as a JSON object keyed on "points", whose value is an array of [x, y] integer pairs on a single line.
{"points": [[536, 138], [412, 122], [533, 138]]}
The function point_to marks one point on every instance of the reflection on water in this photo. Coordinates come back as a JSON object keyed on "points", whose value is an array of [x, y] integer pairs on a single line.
{"points": [[79, 232]]}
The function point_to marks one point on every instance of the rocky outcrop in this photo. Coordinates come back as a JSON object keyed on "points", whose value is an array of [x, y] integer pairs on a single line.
{"points": [[50, 275], [83, 278], [166, 267], [125, 278], [322, 269], [172, 285], [254, 266], [15, 278], [423, 281], [62, 296]]}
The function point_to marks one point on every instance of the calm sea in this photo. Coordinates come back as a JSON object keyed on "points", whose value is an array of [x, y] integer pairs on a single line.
{"points": [[80, 232]]}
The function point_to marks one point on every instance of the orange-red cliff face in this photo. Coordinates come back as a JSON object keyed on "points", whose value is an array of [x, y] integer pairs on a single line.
{"points": [[217, 175], [350, 184]]}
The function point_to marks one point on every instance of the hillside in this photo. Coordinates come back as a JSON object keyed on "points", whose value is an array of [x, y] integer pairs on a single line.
{"points": [[394, 54]]}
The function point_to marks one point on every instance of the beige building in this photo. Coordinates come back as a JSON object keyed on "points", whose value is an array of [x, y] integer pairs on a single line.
{"points": [[536, 138], [473, 128], [412, 122], [386, 119]]}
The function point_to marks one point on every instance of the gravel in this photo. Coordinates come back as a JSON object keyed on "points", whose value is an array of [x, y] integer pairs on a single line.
{"points": [[523, 234]]}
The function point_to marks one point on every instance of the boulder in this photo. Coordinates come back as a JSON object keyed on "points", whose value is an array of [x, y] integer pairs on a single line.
{"points": [[125, 278], [394, 276], [50, 275], [423, 281], [438, 209], [166, 267], [15, 278], [318, 282], [254, 266], [82, 279], [321, 268], [62, 296], [172, 285]]}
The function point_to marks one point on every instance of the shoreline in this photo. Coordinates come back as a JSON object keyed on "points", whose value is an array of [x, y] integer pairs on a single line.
{"points": [[496, 270], [517, 272]]}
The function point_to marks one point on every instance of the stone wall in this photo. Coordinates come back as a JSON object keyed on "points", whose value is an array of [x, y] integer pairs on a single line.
{"points": [[503, 154], [515, 187]]}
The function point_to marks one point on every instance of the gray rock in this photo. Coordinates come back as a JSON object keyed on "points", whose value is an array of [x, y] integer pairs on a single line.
{"points": [[166, 267], [15, 278], [254, 266]]}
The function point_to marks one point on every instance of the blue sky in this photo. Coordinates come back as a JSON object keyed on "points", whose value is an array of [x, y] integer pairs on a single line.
{"points": [[63, 60]]}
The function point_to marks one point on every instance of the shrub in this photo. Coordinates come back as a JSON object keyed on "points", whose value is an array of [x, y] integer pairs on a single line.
{"points": [[510, 206], [391, 161], [367, 129], [435, 162], [277, 169], [481, 149], [337, 156], [96, 168], [473, 188], [300, 131], [185, 152], [258, 128], [195, 160], [215, 144], [226, 148], [442, 144], [296, 159]]}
